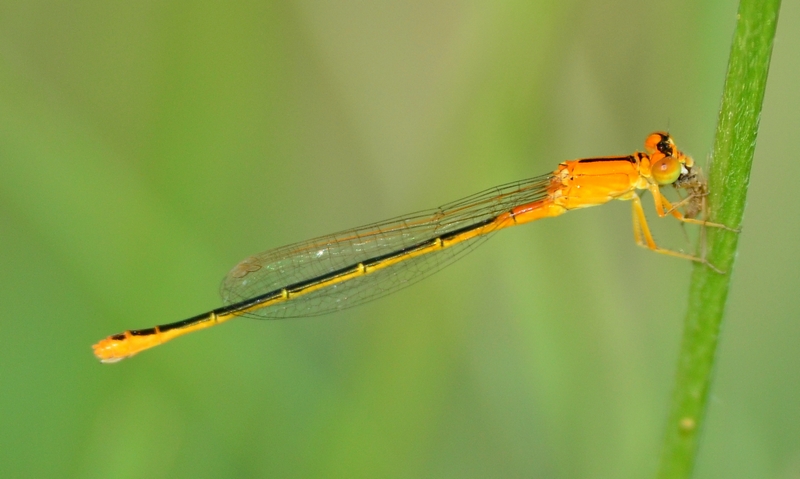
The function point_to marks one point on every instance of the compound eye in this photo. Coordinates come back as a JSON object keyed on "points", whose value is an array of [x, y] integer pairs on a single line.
{"points": [[666, 170]]}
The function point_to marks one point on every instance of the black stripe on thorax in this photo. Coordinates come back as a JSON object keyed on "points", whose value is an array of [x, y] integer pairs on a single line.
{"points": [[630, 159]]}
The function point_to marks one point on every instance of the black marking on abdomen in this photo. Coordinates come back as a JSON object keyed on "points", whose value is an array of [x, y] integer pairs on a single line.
{"points": [[143, 332], [300, 286]]}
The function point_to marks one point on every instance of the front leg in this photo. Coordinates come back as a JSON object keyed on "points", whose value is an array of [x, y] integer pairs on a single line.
{"points": [[664, 208]]}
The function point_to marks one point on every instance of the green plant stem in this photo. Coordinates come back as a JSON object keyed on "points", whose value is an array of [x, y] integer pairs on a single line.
{"points": [[729, 176]]}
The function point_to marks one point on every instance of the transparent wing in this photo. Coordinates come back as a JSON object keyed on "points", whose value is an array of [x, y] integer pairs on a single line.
{"points": [[278, 268]]}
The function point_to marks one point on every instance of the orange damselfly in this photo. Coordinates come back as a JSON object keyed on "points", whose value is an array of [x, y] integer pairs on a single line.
{"points": [[341, 270]]}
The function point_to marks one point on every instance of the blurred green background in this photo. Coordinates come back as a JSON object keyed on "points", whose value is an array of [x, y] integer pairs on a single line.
{"points": [[147, 147]]}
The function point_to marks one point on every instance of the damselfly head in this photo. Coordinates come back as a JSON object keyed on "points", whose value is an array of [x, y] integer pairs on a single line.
{"points": [[661, 142]]}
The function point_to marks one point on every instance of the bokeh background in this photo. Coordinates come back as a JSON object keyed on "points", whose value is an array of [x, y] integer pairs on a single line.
{"points": [[147, 147]]}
